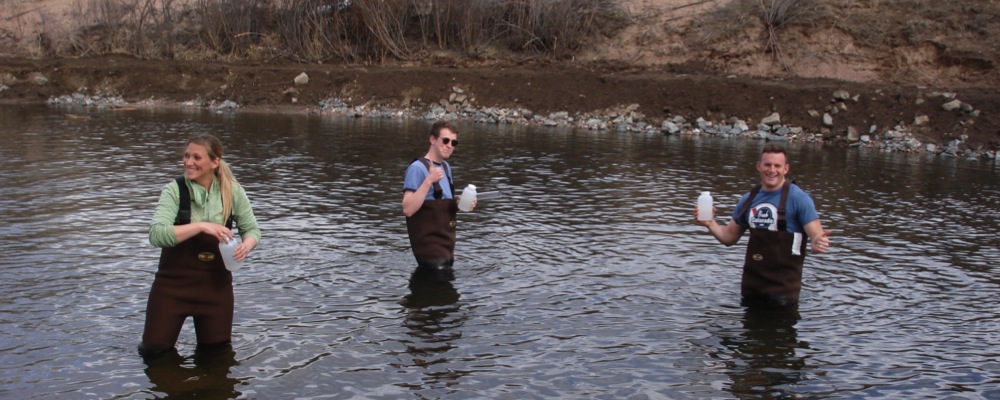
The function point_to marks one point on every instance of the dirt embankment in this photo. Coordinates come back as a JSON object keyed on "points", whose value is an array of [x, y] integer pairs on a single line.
{"points": [[540, 88], [656, 64]]}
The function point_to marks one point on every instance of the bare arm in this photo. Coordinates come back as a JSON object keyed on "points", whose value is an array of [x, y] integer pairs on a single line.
{"points": [[244, 248], [163, 232], [187, 231], [413, 200], [818, 238], [727, 234]]}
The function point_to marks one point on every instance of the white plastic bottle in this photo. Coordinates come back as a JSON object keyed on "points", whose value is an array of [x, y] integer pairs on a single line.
{"points": [[705, 206], [228, 250], [468, 195]]}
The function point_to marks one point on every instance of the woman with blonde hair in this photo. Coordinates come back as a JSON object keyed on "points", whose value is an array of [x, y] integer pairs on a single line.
{"points": [[194, 215]]}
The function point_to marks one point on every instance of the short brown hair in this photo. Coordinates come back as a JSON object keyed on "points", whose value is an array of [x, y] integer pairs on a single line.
{"points": [[439, 125], [772, 147]]}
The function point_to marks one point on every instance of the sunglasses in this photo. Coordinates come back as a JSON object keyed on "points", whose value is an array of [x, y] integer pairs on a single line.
{"points": [[454, 142]]}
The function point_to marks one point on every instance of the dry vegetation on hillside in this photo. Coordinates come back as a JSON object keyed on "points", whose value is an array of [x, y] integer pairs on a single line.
{"points": [[710, 58], [906, 41]]}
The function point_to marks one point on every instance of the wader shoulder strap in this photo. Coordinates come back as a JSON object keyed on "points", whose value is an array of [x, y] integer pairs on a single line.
{"points": [[782, 223], [785, 189], [438, 192], [184, 213]]}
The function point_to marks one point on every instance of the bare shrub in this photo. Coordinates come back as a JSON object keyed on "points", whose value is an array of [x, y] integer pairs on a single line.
{"points": [[104, 28], [921, 23], [311, 30], [465, 25], [773, 15], [143, 28], [385, 23], [8, 42], [448, 18], [234, 28], [348, 30], [719, 24], [167, 27], [560, 27], [778, 14], [553, 27], [479, 28], [352, 31]]}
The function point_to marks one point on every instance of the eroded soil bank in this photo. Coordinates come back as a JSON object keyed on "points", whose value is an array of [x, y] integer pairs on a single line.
{"points": [[543, 88]]}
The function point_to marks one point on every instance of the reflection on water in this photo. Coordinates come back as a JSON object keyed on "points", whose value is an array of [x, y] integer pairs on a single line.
{"points": [[434, 322], [587, 279], [204, 375], [761, 356]]}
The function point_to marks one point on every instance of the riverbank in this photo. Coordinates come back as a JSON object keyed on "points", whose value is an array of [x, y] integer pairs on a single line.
{"points": [[960, 122], [919, 77]]}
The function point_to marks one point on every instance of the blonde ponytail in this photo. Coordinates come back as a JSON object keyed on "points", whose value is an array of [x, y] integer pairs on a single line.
{"points": [[226, 183]]}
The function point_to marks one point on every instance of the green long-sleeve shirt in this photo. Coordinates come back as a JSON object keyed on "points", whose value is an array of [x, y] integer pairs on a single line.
{"points": [[206, 206]]}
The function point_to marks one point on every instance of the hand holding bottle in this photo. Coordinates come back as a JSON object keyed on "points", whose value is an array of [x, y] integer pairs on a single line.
{"points": [[228, 250], [467, 201]]}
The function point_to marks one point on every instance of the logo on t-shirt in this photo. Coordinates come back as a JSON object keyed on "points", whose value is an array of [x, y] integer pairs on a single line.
{"points": [[764, 216]]}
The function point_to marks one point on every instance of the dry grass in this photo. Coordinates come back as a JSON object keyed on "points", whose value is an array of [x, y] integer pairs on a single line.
{"points": [[371, 31], [765, 18], [845, 39], [925, 22]]}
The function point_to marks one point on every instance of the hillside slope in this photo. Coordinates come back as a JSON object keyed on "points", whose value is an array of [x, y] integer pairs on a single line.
{"points": [[899, 60]]}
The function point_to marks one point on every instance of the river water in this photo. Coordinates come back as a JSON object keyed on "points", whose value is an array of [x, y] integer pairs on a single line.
{"points": [[587, 279]]}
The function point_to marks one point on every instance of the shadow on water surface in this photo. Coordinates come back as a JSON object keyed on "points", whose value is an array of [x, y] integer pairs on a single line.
{"points": [[761, 359], [204, 375], [432, 321]]}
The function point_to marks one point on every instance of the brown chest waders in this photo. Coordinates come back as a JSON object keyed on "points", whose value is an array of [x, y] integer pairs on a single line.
{"points": [[772, 273], [191, 280], [432, 234]]}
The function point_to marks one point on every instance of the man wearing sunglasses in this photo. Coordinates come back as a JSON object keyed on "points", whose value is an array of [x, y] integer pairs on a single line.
{"points": [[430, 207]]}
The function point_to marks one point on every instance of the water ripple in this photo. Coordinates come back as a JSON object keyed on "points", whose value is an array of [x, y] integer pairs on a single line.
{"points": [[587, 279]]}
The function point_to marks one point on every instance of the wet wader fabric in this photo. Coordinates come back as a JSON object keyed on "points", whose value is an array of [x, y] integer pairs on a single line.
{"points": [[191, 280], [772, 274], [432, 234]]}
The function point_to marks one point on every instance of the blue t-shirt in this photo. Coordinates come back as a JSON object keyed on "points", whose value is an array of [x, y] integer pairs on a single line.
{"points": [[763, 212], [417, 172]]}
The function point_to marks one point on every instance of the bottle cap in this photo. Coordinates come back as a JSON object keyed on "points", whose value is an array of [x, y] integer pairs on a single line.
{"points": [[471, 186]]}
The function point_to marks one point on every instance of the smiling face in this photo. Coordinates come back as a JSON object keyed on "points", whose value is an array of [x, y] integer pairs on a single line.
{"points": [[439, 145], [772, 168], [198, 166]]}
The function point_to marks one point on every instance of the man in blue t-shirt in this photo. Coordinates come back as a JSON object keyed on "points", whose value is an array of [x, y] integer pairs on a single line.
{"points": [[777, 213], [430, 207]]}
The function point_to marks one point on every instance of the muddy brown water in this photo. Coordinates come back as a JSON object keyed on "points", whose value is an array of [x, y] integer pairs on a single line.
{"points": [[587, 279]]}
